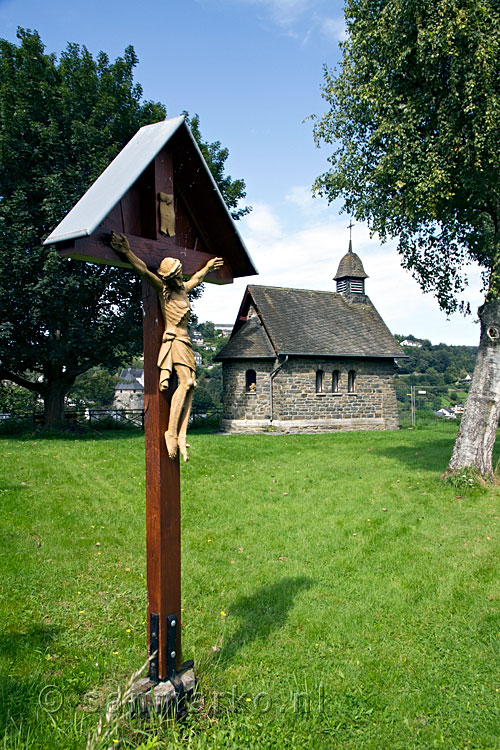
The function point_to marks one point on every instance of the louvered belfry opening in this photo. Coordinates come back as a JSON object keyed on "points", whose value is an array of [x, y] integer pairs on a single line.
{"points": [[350, 276], [351, 286]]}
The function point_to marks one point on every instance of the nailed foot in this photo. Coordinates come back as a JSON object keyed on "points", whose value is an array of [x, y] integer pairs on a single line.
{"points": [[172, 446], [183, 446]]}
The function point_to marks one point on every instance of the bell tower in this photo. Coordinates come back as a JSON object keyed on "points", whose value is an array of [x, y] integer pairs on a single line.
{"points": [[350, 276]]}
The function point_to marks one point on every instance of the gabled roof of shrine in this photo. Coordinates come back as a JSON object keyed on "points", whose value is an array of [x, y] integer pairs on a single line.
{"points": [[114, 182], [305, 322], [192, 175]]}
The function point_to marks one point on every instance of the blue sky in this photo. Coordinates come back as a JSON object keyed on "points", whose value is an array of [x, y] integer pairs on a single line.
{"points": [[252, 70]]}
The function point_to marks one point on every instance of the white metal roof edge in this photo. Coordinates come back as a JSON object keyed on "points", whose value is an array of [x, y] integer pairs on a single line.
{"points": [[113, 183]]}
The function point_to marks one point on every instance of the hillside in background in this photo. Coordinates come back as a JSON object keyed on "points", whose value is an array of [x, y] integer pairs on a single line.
{"points": [[444, 371]]}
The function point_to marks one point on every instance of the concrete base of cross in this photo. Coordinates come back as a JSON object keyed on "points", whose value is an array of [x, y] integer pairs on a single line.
{"points": [[168, 696]]}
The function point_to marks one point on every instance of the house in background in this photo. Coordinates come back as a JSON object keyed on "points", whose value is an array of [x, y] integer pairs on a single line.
{"points": [[129, 391], [300, 360], [197, 338], [223, 329], [411, 342]]}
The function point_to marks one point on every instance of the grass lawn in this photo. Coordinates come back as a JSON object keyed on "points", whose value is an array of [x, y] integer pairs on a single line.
{"points": [[336, 593]]}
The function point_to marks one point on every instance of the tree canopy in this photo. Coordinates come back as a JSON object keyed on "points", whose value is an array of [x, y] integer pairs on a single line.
{"points": [[415, 131], [414, 123], [61, 122]]}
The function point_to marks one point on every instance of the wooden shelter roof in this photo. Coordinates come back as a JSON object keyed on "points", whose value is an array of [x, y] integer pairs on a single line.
{"points": [[194, 187]]}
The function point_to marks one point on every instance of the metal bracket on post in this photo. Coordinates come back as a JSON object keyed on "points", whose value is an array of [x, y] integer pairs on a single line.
{"points": [[171, 646], [173, 675], [170, 692], [154, 642]]}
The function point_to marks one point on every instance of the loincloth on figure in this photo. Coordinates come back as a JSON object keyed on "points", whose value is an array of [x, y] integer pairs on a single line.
{"points": [[175, 350]]}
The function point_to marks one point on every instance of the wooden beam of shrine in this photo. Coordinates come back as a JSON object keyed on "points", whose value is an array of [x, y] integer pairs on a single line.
{"points": [[96, 249]]}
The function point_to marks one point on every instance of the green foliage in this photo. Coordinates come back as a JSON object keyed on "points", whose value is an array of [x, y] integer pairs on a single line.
{"points": [[96, 388], [437, 369], [203, 399], [208, 394], [61, 122], [465, 478], [414, 126], [14, 399], [454, 362], [207, 330]]}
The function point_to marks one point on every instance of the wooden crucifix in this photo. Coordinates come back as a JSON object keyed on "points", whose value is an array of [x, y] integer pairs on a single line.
{"points": [[159, 200]]}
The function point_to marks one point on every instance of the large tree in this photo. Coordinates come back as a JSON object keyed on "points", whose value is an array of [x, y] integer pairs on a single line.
{"points": [[61, 122], [414, 126]]}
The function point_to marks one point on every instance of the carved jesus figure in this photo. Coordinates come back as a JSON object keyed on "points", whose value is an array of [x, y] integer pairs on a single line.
{"points": [[176, 351]]}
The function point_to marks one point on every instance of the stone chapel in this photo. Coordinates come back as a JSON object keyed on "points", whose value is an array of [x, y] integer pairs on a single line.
{"points": [[300, 360]]}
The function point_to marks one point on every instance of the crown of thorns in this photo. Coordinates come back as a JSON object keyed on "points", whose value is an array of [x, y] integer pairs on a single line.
{"points": [[169, 267]]}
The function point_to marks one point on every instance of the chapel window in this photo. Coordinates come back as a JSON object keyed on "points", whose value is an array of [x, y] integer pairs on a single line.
{"points": [[335, 381], [351, 381], [319, 381], [251, 381]]}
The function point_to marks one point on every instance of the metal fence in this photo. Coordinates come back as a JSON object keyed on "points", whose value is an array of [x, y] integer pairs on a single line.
{"points": [[102, 419], [115, 418]]}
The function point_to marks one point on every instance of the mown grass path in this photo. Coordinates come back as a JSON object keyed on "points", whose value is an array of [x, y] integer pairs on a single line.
{"points": [[336, 593]]}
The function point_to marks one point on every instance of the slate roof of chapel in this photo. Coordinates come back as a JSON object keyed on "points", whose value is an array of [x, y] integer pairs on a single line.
{"points": [[306, 322], [249, 342]]}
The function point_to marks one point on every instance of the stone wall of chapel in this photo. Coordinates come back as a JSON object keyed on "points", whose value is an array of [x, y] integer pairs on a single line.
{"points": [[238, 403], [297, 405]]}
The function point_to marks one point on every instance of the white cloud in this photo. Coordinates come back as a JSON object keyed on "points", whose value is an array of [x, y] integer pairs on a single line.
{"points": [[302, 198], [262, 223], [308, 257], [298, 18], [334, 28], [285, 12]]}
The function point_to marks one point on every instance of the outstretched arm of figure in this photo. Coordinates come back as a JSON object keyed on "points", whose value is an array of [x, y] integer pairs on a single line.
{"points": [[198, 277], [120, 244]]}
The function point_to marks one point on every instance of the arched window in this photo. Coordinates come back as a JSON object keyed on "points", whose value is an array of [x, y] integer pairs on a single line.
{"points": [[251, 381], [335, 381], [319, 381], [351, 381]]}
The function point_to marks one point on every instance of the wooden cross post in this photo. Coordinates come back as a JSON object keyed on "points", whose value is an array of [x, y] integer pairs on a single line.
{"points": [[163, 505], [160, 195]]}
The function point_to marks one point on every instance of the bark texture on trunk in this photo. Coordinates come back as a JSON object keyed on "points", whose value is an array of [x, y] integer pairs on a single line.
{"points": [[478, 429], [53, 399]]}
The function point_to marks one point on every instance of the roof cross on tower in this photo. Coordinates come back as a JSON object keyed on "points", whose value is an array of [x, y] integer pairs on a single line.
{"points": [[350, 226]]}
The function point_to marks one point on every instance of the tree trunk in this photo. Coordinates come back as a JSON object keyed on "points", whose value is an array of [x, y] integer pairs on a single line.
{"points": [[53, 399], [478, 430]]}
